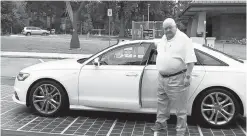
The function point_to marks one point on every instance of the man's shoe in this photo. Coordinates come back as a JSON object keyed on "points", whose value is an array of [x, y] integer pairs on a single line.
{"points": [[158, 126]]}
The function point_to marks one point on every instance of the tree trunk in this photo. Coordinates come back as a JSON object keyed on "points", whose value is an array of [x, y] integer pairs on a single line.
{"points": [[121, 25], [75, 43]]}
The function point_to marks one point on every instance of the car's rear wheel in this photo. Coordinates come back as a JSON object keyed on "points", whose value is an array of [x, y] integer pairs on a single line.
{"points": [[45, 34], [28, 34], [216, 107], [47, 98]]}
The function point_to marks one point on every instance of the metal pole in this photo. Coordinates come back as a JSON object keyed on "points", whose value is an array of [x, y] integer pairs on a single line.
{"points": [[81, 27], [148, 15], [109, 30], [65, 24], [204, 36]]}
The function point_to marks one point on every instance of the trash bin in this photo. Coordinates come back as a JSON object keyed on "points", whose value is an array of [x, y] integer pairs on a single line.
{"points": [[210, 41], [52, 31]]}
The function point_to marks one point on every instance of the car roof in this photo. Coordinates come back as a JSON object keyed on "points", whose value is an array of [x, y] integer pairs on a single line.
{"points": [[200, 47], [196, 45]]}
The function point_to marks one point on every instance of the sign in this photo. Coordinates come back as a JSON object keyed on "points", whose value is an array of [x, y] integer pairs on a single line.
{"points": [[147, 34], [109, 12]]}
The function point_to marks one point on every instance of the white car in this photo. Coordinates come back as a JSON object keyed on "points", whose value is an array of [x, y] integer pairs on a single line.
{"points": [[123, 78], [34, 31]]}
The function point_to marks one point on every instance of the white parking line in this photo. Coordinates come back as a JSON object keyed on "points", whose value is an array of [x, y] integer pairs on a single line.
{"points": [[200, 131], [7, 101], [41, 60], [113, 125], [11, 109], [241, 129], [69, 125], [27, 124], [7, 96]]}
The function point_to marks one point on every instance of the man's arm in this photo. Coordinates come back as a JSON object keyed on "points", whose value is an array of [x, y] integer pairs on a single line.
{"points": [[190, 67], [190, 58]]}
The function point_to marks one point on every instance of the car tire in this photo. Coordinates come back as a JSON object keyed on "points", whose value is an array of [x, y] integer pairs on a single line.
{"points": [[45, 34], [28, 34], [53, 102], [207, 109]]}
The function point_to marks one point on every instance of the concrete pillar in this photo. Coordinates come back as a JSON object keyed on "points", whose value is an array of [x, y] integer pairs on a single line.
{"points": [[201, 19], [188, 31], [194, 26]]}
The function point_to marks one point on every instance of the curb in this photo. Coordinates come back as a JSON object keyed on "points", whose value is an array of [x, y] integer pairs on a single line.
{"points": [[43, 55]]}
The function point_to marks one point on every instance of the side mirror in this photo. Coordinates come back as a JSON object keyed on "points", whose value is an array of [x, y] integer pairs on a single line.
{"points": [[96, 62]]}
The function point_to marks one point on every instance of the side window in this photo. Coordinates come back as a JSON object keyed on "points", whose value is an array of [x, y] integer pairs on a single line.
{"points": [[152, 59], [207, 60], [131, 54], [127, 55]]}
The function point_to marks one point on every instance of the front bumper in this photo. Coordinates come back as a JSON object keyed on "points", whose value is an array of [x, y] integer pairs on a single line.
{"points": [[20, 88], [18, 101]]}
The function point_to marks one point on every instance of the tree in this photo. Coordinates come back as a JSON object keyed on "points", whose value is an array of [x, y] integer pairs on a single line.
{"points": [[73, 14], [7, 15], [14, 15]]}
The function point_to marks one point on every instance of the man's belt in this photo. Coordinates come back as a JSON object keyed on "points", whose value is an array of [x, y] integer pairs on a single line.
{"points": [[180, 72]]}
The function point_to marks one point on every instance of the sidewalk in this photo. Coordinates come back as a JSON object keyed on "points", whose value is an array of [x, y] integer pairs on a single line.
{"points": [[43, 55]]}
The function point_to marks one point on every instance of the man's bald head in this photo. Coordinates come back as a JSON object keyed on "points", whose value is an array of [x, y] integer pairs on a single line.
{"points": [[169, 22], [170, 28]]}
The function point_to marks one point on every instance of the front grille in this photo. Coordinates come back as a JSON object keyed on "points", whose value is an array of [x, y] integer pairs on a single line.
{"points": [[16, 96]]}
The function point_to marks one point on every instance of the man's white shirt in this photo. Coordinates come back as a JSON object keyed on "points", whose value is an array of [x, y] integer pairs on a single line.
{"points": [[174, 54]]}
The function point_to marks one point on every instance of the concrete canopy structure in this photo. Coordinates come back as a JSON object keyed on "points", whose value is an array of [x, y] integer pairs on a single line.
{"points": [[225, 19]]}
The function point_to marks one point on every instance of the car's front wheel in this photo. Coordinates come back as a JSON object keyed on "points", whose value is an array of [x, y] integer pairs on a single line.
{"points": [[28, 34], [216, 107], [47, 98]]}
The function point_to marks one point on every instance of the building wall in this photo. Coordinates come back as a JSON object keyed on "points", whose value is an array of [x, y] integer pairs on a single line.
{"points": [[232, 26], [194, 26], [216, 27]]}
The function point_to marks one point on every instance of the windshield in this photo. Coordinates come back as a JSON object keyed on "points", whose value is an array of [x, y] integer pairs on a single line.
{"points": [[230, 56]]}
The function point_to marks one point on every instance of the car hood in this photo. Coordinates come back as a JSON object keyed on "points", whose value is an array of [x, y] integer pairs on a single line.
{"points": [[65, 64]]}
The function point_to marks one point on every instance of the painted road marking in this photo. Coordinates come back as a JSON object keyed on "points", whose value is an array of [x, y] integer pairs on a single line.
{"points": [[200, 131], [7, 96], [69, 125], [27, 124], [113, 125], [41, 60], [11, 109], [241, 129]]}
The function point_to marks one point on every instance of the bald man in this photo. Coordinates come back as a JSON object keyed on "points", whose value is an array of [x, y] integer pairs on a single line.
{"points": [[174, 62]]}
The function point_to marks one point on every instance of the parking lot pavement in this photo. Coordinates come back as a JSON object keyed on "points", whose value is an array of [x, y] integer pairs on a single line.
{"points": [[18, 120]]}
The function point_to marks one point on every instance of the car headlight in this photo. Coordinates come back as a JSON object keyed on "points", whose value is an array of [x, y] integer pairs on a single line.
{"points": [[22, 76]]}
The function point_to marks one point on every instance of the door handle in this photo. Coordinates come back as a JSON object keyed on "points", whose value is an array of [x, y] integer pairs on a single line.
{"points": [[195, 75], [131, 74]]}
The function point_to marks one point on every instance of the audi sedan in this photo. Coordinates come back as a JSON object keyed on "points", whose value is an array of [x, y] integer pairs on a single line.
{"points": [[123, 78]]}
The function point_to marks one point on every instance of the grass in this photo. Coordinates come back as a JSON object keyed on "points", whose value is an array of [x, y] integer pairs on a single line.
{"points": [[61, 44]]}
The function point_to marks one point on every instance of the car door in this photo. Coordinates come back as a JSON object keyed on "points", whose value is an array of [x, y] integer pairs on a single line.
{"points": [[115, 82], [34, 31], [39, 30], [149, 82]]}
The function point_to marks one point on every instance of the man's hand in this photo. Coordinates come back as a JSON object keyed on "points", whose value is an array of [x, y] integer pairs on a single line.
{"points": [[187, 81]]}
